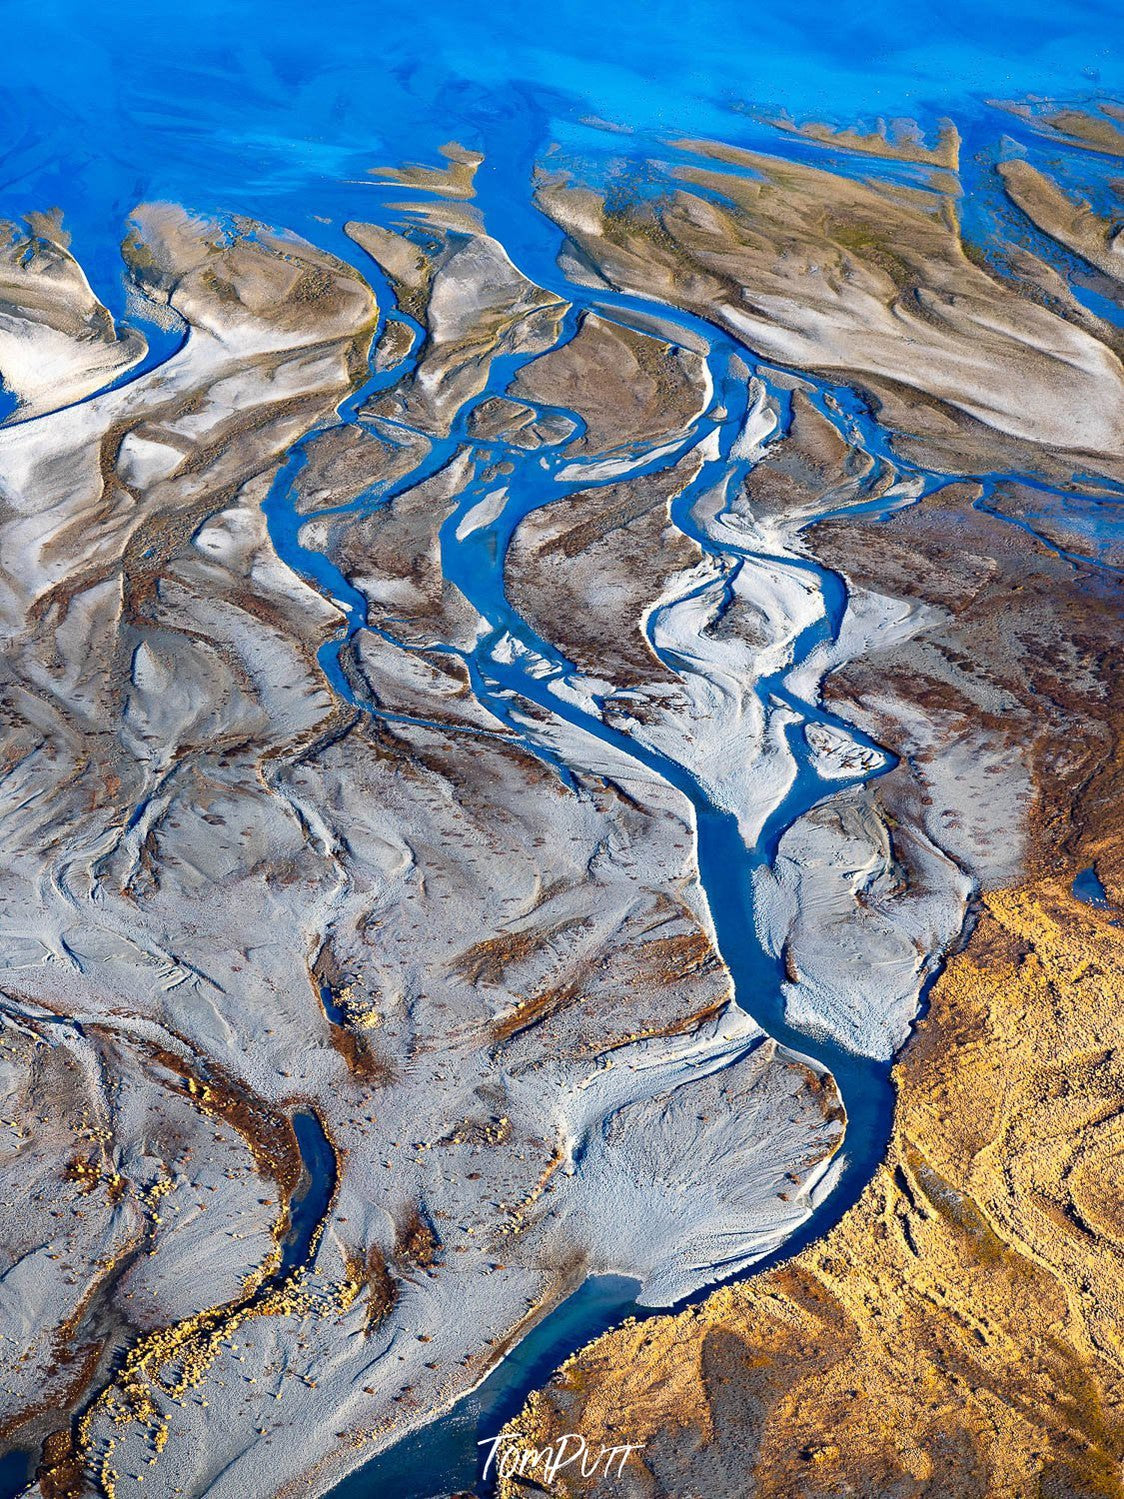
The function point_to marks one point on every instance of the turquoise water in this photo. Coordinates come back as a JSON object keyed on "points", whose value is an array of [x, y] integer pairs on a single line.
{"points": [[277, 108], [281, 111]]}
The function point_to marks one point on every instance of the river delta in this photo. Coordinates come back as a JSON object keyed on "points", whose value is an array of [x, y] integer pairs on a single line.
{"points": [[561, 757]]}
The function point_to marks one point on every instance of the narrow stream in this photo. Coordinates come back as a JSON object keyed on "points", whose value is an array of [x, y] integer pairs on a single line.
{"points": [[280, 114], [443, 1456], [307, 1211], [313, 1195]]}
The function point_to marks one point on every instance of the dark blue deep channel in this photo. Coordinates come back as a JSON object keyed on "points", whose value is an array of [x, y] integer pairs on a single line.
{"points": [[445, 1456], [280, 111]]}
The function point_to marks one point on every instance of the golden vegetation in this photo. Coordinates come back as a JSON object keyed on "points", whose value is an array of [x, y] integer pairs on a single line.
{"points": [[960, 1331]]}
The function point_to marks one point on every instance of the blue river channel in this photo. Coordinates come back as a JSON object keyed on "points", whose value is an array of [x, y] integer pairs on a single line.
{"points": [[281, 111]]}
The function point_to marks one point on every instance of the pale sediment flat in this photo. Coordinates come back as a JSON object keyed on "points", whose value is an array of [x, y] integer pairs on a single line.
{"points": [[361, 707], [950, 1334], [232, 895], [58, 343]]}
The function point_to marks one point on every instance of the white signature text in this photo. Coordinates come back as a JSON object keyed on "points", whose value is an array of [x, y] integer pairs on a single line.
{"points": [[545, 1463]]}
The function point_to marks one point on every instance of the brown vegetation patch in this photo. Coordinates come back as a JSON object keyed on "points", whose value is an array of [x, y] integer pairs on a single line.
{"points": [[959, 1331]]}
